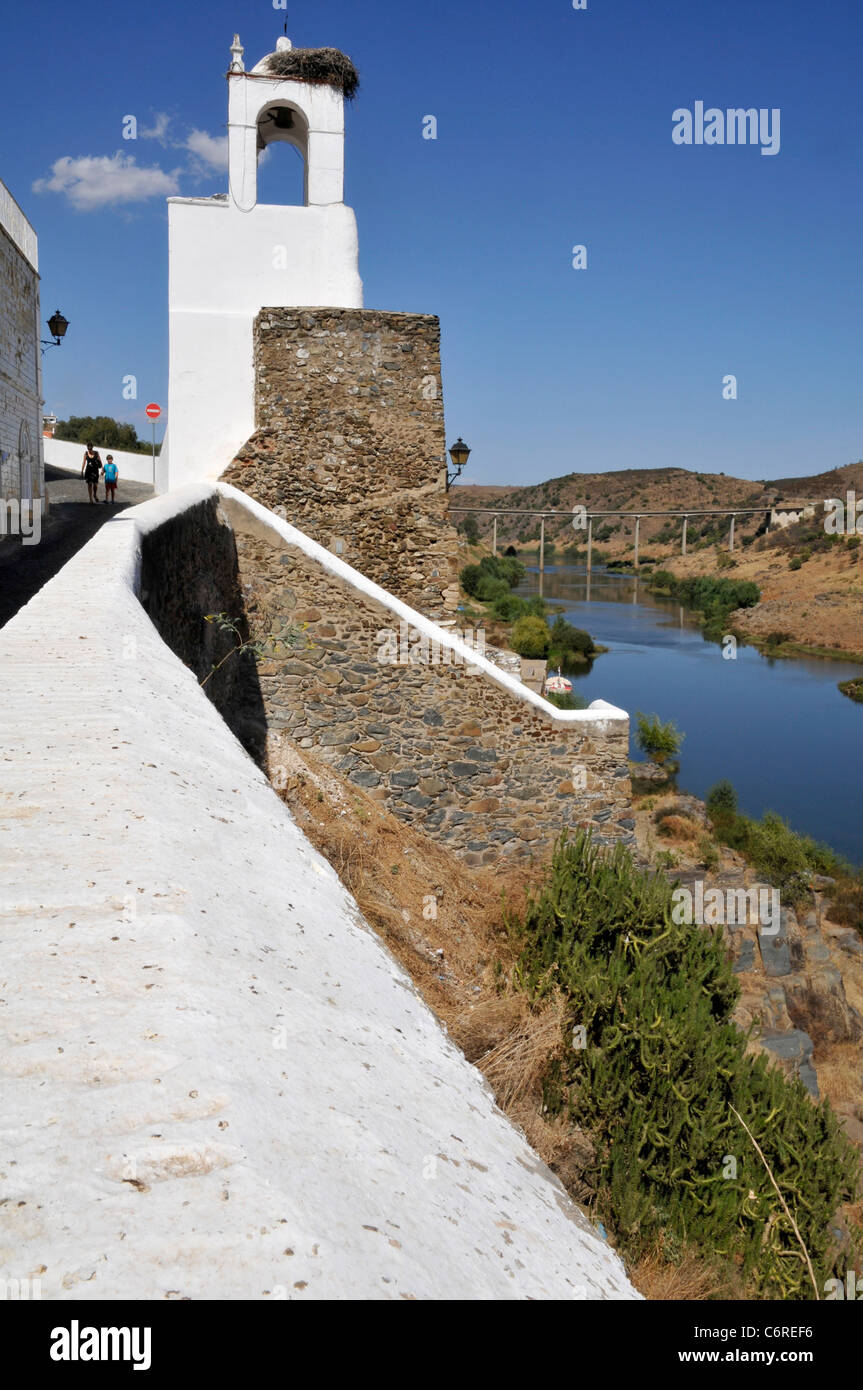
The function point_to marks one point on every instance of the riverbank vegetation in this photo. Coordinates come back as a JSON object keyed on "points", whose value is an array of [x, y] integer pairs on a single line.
{"points": [[561, 644], [491, 582], [785, 858], [714, 598], [853, 689]]}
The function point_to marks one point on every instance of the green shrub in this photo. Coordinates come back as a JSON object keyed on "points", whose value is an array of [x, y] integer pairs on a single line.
{"points": [[708, 852], [502, 568], [786, 858], [570, 646], [530, 637], [658, 741], [490, 588], [664, 1068], [721, 803], [469, 579], [507, 607], [565, 699], [778, 854], [796, 563]]}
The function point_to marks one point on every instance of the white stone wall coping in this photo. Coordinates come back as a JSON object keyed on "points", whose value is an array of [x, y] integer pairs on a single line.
{"points": [[217, 1083]]}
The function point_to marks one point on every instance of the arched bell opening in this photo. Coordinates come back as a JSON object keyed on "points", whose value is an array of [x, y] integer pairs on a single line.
{"points": [[283, 173]]}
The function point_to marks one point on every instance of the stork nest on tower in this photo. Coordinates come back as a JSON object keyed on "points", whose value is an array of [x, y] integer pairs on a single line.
{"points": [[319, 65]]}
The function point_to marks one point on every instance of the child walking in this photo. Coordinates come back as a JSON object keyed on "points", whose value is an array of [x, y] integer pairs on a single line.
{"points": [[111, 475]]}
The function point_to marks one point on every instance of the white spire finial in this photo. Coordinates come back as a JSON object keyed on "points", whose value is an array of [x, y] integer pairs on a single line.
{"points": [[283, 44], [237, 52]]}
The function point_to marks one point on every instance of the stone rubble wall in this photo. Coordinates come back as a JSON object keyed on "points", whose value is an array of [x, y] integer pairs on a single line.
{"points": [[791, 988], [350, 444], [480, 764]]}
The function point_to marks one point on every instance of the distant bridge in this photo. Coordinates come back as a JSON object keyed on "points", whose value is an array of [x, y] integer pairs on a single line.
{"points": [[733, 512]]}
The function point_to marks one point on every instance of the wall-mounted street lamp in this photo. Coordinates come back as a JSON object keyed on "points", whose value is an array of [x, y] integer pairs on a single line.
{"points": [[57, 326], [459, 453]]}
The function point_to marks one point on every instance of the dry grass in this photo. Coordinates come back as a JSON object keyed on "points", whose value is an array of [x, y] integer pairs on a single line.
{"points": [[441, 920], [689, 1279], [678, 828], [527, 1039], [839, 1073]]}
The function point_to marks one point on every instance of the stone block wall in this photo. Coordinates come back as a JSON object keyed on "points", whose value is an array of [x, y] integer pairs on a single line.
{"points": [[20, 374], [458, 755], [350, 445]]}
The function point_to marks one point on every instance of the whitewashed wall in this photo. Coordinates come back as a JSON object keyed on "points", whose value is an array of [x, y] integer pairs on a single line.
{"points": [[217, 1083], [224, 266], [135, 468]]}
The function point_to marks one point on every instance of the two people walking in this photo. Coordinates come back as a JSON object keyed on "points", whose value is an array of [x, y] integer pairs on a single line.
{"points": [[91, 469]]}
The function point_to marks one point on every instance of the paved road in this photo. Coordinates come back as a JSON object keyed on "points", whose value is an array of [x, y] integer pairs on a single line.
{"points": [[24, 569]]}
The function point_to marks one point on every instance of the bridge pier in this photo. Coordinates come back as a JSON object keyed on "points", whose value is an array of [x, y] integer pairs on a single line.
{"points": [[637, 527], [541, 553], [731, 534], [494, 538], [683, 544], [589, 544]]}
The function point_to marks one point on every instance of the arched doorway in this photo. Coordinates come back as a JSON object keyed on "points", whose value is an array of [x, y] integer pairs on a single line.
{"points": [[28, 482]]}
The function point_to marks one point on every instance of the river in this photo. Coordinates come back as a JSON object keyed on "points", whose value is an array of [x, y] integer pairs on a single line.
{"points": [[778, 729]]}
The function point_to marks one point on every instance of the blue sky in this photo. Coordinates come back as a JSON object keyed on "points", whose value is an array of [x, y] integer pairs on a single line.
{"points": [[554, 129]]}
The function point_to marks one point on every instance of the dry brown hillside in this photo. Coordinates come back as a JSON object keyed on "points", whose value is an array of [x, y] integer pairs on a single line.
{"points": [[633, 489]]}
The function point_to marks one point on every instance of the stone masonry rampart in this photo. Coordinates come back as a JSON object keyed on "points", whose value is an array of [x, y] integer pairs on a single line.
{"points": [[467, 759], [350, 444]]}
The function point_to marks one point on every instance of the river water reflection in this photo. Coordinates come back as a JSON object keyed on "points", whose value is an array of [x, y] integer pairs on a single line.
{"points": [[778, 729]]}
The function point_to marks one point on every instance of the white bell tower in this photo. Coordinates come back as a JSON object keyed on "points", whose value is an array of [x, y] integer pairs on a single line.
{"points": [[264, 107], [231, 256]]}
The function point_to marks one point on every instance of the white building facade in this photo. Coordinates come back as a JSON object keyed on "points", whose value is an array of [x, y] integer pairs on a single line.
{"points": [[230, 256], [22, 472]]}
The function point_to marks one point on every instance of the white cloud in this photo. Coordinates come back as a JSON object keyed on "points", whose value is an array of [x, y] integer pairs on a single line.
{"points": [[158, 130], [211, 150], [96, 181]]}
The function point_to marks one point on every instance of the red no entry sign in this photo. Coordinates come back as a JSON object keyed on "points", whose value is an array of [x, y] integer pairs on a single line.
{"points": [[153, 411]]}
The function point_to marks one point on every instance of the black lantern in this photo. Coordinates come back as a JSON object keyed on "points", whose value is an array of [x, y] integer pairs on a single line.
{"points": [[57, 325], [459, 453]]}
